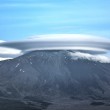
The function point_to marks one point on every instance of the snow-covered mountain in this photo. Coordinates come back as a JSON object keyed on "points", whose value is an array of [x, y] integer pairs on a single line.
{"points": [[52, 74]]}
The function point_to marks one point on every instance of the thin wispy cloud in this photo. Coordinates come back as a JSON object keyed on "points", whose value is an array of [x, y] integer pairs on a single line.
{"points": [[68, 37], [32, 5]]}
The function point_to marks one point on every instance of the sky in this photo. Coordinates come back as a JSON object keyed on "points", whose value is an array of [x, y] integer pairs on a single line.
{"points": [[20, 19]]}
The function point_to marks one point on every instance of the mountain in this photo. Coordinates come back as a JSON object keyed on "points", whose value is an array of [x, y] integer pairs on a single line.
{"points": [[47, 76]]}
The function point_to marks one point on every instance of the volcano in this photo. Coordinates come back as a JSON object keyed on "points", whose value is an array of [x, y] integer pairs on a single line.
{"points": [[53, 80]]}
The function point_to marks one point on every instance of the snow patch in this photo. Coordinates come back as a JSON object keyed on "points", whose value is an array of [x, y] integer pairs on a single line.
{"points": [[31, 63], [21, 70], [17, 65]]}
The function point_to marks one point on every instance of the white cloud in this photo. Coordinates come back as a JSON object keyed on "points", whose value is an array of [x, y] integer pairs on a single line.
{"points": [[1, 41], [2, 59], [68, 37], [4, 50], [99, 58]]}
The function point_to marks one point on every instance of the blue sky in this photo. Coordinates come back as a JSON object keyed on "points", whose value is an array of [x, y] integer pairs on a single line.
{"points": [[22, 18]]}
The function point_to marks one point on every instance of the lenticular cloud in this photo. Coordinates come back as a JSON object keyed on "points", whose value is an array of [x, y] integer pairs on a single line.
{"points": [[89, 47]]}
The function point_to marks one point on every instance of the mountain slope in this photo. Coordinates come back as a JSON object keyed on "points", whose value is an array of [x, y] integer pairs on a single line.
{"points": [[51, 74]]}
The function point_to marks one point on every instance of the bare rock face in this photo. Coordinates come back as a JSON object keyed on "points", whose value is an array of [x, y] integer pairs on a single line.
{"points": [[54, 74]]}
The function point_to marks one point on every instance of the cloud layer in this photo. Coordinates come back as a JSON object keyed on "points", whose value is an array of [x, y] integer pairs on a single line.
{"points": [[8, 53], [84, 46], [99, 58], [68, 37]]}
